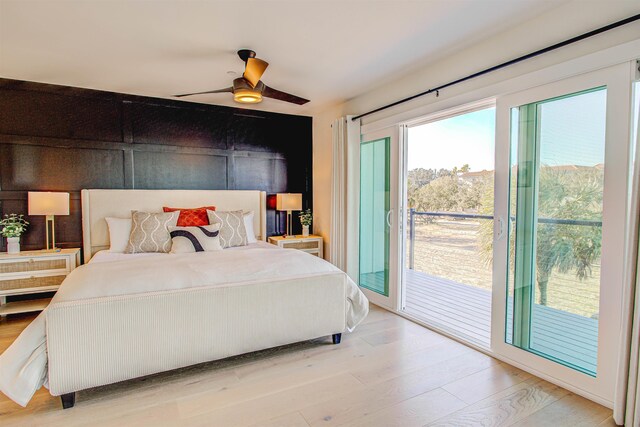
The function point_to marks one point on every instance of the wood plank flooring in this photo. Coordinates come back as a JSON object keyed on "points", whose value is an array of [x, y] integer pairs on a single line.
{"points": [[389, 372]]}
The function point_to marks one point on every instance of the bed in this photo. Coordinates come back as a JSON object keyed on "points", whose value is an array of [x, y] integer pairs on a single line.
{"points": [[120, 317]]}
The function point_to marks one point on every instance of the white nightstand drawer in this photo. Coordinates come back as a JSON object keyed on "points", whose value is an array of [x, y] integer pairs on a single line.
{"points": [[300, 244], [30, 282], [20, 266], [32, 272], [311, 244]]}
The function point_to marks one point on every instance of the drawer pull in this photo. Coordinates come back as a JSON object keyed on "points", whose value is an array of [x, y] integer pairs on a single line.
{"points": [[32, 260]]}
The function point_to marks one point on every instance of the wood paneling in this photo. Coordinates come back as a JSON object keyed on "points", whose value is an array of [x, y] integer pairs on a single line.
{"points": [[271, 174], [41, 168], [66, 116], [188, 127], [57, 138], [153, 170]]}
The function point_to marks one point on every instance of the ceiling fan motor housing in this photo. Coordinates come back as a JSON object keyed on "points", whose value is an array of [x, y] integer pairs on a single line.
{"points": [[243, 92], [245, 54]]}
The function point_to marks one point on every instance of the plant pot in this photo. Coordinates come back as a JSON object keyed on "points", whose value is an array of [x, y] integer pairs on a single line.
{"points": [[305, 230], [13, 245]]}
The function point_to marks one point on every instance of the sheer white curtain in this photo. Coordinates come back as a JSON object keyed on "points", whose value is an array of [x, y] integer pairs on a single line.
{"points": [[343, 252], [626, 408], [337, 243]]}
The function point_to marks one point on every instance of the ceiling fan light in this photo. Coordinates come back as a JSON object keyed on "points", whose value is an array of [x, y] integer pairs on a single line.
{"points": [[247, 96]]}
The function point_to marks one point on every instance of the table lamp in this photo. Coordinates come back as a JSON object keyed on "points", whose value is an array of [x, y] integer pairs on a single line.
{"points": [[289, 202], [49, 204]]}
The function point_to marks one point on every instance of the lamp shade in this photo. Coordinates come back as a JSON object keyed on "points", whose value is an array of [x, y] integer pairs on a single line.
{"points": [[289, 201], [48, 203]]}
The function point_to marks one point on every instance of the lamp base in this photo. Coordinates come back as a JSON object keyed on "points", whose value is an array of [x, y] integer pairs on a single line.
{"points": [[51, 229]]}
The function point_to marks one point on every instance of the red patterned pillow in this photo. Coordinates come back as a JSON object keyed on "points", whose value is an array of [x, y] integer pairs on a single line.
{"points": [[191, 217]]}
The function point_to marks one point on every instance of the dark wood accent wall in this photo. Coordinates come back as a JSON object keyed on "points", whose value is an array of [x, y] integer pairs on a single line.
{"points": [[58, 138]]}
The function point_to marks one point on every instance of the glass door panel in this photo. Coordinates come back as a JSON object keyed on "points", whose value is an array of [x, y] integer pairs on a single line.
{"points": [[449, 184], [374, 215], [562, 190], [557, 179]]}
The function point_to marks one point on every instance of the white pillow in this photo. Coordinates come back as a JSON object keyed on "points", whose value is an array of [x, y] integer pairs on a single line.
{"points": [[248, 225], [119, 232], [200, 238]]}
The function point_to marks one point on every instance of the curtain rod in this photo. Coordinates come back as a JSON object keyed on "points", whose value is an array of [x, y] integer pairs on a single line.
{"points": [[508, 63]]}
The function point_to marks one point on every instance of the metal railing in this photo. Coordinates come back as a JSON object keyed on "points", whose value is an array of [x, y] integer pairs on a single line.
{"points": [[413, 213]]}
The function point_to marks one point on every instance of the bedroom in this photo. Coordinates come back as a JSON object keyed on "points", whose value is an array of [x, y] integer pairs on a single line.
{"points": [[268, 335]]}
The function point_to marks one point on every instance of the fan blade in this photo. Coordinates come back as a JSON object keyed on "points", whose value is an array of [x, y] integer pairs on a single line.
{"points": [[282, 96], [254, 70], [228, 89]]}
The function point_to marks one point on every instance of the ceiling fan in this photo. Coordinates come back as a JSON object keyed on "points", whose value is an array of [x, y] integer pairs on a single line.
{"points": [[249, 89]]}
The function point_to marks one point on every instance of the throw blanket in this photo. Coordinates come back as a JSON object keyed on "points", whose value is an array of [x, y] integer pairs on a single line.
{"points": [[23, 366]]}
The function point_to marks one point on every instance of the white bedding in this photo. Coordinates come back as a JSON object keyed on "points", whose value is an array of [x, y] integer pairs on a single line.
{"points": [[23, 366], [108, 256]]}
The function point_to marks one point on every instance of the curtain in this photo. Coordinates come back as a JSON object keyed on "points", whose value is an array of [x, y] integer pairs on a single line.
{"points": [[337, 242], [626, 409]]}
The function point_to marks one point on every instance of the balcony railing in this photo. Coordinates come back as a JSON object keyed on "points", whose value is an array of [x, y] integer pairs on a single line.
{"points": [[413, 214]]}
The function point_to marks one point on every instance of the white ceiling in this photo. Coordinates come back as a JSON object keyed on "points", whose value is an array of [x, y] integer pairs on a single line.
{"points": [[326, 51]]}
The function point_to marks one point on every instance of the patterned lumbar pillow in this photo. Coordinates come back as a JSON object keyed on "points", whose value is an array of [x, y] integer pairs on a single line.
{"points": [[190, 217], [232, 229], [150, 232], [202, 238]]}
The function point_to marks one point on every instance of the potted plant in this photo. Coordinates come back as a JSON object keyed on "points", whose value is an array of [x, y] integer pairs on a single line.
{"points": [[12, 227], [305, 219]]}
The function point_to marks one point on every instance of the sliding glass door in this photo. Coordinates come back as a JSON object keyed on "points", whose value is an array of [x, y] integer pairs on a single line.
{"points": [[449, 198], [378, 218], [561, 179], [557, 166]]}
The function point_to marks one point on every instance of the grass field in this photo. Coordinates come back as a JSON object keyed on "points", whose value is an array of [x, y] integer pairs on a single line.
{"points": [[450, 249]]}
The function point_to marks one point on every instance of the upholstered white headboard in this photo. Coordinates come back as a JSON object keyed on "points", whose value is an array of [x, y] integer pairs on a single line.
{"points": [[99, 204]]}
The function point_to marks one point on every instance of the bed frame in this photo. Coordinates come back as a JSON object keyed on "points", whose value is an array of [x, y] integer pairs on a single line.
{"points": [[101, 341], [99, 204]]}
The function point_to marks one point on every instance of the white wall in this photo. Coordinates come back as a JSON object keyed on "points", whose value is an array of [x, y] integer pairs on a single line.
{"points": [[322, 164], [557, 25]]}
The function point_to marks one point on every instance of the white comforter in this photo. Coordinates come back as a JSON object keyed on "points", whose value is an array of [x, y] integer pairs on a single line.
{"points": [[23, 366]]}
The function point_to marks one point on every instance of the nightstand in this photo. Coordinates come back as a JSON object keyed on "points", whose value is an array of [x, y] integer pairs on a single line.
{"points": [[33, 272], [311, 244]]}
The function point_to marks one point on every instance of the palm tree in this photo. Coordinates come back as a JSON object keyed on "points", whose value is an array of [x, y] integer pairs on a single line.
{"points": [[563, 193], [568, 194]]}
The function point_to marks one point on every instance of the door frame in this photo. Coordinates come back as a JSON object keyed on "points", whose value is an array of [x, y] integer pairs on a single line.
{"points": [[437, 116], [618, 81], [393, 301]]}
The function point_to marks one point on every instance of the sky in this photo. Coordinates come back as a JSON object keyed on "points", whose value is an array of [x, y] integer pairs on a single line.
{"points": [[572, 132], [464, 139]]}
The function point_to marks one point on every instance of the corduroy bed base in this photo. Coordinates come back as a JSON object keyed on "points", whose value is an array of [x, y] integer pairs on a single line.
{"points": [[101, 341]]}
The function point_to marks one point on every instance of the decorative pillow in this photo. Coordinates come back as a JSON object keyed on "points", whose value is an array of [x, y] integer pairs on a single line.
{"points": [[191, 216], [119, 232], [232, 230], [150, 232], [248, 225], [202, 238]]}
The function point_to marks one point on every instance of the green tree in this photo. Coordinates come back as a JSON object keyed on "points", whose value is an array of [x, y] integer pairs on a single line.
{"points": [[442, 194], [417, 179], [568, 194], [563, 193]]}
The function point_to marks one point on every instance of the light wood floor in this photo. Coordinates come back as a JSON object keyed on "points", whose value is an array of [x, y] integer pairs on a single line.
{"points": [[389, 372]]}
